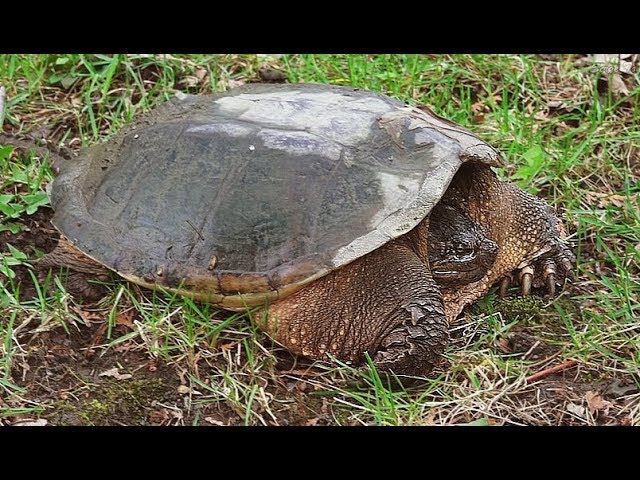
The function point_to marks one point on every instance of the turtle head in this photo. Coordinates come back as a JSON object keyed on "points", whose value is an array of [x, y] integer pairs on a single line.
{"points": [[459, 252]]}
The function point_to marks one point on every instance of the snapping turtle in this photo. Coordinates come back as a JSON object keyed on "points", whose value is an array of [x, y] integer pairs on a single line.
{"points": [[360, 223]]}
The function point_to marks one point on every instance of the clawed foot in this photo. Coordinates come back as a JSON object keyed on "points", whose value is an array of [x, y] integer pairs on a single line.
{"points": [[414, 347], [550, 271]]}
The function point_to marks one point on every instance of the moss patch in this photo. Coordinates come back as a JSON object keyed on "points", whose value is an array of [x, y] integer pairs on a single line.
{"points": [[114, 402], [520, 308]]}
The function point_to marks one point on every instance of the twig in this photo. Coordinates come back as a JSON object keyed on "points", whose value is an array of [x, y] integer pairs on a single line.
{"points": [[548, 371], [3, 96]]}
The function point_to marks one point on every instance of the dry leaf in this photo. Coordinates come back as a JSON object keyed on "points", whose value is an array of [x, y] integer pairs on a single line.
{"points": [[159, 417], [577, 410], [603, 200], [479, 109], [188, 81], [183, 389], [617, 387], [113, 372], [214, 422], [595, 402], [618, 86], [201, 73], [125, 318], [87, 316], [40, 422], [541, 115]]}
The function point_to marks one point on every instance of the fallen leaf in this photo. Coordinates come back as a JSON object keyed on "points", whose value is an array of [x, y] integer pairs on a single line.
{"points": [[603, 200], [113, 372], [159, 417], [188, 81], [125, 318], [201, 73], [214, 422], [595, 402], [577, 410], [183, 389], [541, 115], [618, 86], [87, 316], [479, 109], [40, 422]]}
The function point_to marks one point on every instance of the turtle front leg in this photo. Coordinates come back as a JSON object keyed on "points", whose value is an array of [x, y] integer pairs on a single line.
{"points": [[538, 255], [385, 303], [82, 270], [529, 235]]}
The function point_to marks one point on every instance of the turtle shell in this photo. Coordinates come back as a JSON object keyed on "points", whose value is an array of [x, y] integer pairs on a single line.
{"points": [[248, 195]]}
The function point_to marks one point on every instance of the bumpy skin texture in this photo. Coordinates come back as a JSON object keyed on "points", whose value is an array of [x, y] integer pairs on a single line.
{"points": [[528, 233], [385, 303]]}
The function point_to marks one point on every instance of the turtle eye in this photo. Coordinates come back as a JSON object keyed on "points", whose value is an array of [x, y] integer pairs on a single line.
{"points": [[464, 248], [465, 251]]}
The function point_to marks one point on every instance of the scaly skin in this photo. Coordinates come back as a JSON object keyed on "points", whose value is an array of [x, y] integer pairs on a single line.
{"points": [[385, 303], [528, 234]]}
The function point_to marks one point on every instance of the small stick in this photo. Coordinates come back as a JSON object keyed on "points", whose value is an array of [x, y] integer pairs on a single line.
{"points": [[3, 95], [548, 371]]}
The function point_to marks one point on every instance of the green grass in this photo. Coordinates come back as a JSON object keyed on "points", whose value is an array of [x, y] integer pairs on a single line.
{"points": [[565, 135]]}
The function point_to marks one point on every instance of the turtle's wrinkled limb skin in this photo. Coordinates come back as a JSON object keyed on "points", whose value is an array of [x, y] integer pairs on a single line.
{"points": [[83, 271], [529, 235], [385, 303]]}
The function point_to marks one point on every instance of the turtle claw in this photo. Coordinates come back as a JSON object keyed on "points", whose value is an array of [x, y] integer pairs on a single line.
{"points": [[551, 284], [526, 277], [549, 273], [504, 286], [567, 265]]}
